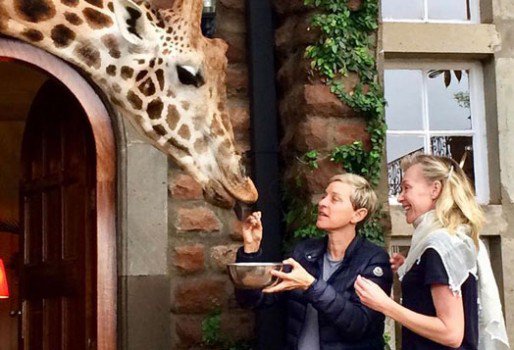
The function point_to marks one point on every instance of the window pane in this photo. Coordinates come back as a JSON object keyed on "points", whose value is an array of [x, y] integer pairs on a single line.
{"points": [[404, 101], [448, 9], [399, 146], [402, 9], [448, 100], [455, 147]]}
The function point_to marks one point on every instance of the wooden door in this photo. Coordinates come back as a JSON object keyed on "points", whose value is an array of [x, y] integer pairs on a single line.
{"points": [[58, 278]]}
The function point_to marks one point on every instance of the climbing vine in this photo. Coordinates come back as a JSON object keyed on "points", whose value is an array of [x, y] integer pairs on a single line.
{"points": [[346, 46]]}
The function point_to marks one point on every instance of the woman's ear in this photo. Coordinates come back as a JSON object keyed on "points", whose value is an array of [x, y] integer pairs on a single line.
{"points": [[359, 215], [437, 187]]}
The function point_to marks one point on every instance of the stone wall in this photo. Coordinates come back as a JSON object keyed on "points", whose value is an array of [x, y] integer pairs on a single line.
{"points": [[311, 116], [203, 238]]}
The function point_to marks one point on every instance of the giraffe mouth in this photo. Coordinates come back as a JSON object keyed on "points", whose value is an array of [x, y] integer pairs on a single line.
{"points": [[225, 195]]}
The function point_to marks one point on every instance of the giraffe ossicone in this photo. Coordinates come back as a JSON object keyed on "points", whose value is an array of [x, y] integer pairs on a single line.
{"points": [[156, 68]]}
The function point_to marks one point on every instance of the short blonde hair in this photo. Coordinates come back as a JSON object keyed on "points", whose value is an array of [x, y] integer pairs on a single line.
{"points": [[456, 204], [363, 195]]}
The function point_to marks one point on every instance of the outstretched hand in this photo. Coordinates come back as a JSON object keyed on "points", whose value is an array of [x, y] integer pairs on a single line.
{"points": [[298, 278], [252, 232]]}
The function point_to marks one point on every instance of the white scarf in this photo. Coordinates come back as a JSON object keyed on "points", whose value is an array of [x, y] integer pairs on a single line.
{"points": [[460, 258]]}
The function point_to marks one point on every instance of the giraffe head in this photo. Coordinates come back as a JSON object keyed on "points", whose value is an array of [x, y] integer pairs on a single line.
{"points": [[156, 68]]}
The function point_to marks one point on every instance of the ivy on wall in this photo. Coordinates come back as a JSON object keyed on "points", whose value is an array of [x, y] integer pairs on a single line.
{"points": [[346, 45]]}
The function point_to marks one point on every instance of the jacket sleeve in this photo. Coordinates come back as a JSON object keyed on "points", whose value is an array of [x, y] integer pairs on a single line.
{"points": [[344, 308], [253, 298]]}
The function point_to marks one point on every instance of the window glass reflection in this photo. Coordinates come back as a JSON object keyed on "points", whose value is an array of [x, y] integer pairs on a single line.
{"points": [[403, 94], [448, 100]]}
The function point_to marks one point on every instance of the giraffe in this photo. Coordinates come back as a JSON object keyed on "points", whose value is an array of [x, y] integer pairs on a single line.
{"points": [[156, 68]]}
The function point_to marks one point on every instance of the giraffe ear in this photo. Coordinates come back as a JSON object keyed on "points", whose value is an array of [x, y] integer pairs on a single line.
{"points": [[133, 23]]}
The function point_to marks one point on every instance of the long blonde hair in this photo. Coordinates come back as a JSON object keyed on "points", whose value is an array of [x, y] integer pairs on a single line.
{"points": [[456, 204]]}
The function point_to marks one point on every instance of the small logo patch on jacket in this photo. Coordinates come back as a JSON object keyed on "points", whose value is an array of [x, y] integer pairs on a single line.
{"points": [[377, 271]]}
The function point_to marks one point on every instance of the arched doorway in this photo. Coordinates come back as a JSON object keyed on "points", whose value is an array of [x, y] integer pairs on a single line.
{"points": [[99, 226]]}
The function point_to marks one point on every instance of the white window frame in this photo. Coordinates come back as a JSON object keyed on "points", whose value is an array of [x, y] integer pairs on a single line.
{"points": [[478, 120], [474, 7]]}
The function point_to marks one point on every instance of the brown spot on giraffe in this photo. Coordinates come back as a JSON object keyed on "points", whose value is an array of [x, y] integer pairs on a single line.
{"points": [[185, 105], [141, 75], [147, 87], [172, 117], [88, 54], [160, 78], [200, 145], [111, 43], [97, 3], [62, 36], [141, 61], [117, 102], [34, 10], [154, 108], [134, 100], [178, 147], [116, 88], [111, 70], [33, 35], [73, 18], [70, 3], [110, 6], [127, 72], [171, 93], [96, 19], [184, 132], [160, 129], [216, 127]]}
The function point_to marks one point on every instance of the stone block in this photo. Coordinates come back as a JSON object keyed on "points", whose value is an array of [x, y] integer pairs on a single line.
{"points": [[197, 219], [222, 255], [237, 79], [287, 6], [230, 19], [317, 179], [147, 215], [234, 4], [237, 326], [240, 118], [199, 295], [183, 186], [236, 232], [236, 52], [189, 258], [188, 329], [297, 30]]}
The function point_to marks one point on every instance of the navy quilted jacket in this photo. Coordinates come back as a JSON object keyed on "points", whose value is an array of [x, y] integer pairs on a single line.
{"points": [[344, 323]]}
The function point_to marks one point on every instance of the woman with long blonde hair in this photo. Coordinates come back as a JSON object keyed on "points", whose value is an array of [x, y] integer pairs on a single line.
{"points": [[440, 290]]}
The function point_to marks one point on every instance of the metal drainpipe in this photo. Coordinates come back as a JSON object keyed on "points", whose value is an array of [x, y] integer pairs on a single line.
{"points": [[265, 146]]}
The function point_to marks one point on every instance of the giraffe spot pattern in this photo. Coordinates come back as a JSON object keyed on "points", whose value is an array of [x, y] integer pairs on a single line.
{"points": [[184, 132], [154, 108], [88, 54], [62, 36], [32, 34], [116, 88], [73, 18], [111, 43], [178, 149], [127, 72], [172, 117], [70, 3], [97, 3], [160, 129], [141, 75], [147, 87], [117, 102], [160, 78], [34, 10], [185, 105], [110, 6], [111, 70], [200, 145], [134, 100], [96, 19]]}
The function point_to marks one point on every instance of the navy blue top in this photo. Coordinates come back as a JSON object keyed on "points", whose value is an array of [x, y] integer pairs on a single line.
{"points": [[417, 297], [344, 322]]}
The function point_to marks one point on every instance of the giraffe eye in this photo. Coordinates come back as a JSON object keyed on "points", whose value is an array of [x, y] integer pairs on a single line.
{"points": [[188, 76]]}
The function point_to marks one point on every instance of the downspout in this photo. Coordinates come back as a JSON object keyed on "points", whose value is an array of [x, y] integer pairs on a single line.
{"points": [[265, 147]]}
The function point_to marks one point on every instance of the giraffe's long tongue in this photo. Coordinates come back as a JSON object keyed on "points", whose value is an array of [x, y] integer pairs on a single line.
{"points": [[244, 191]]}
